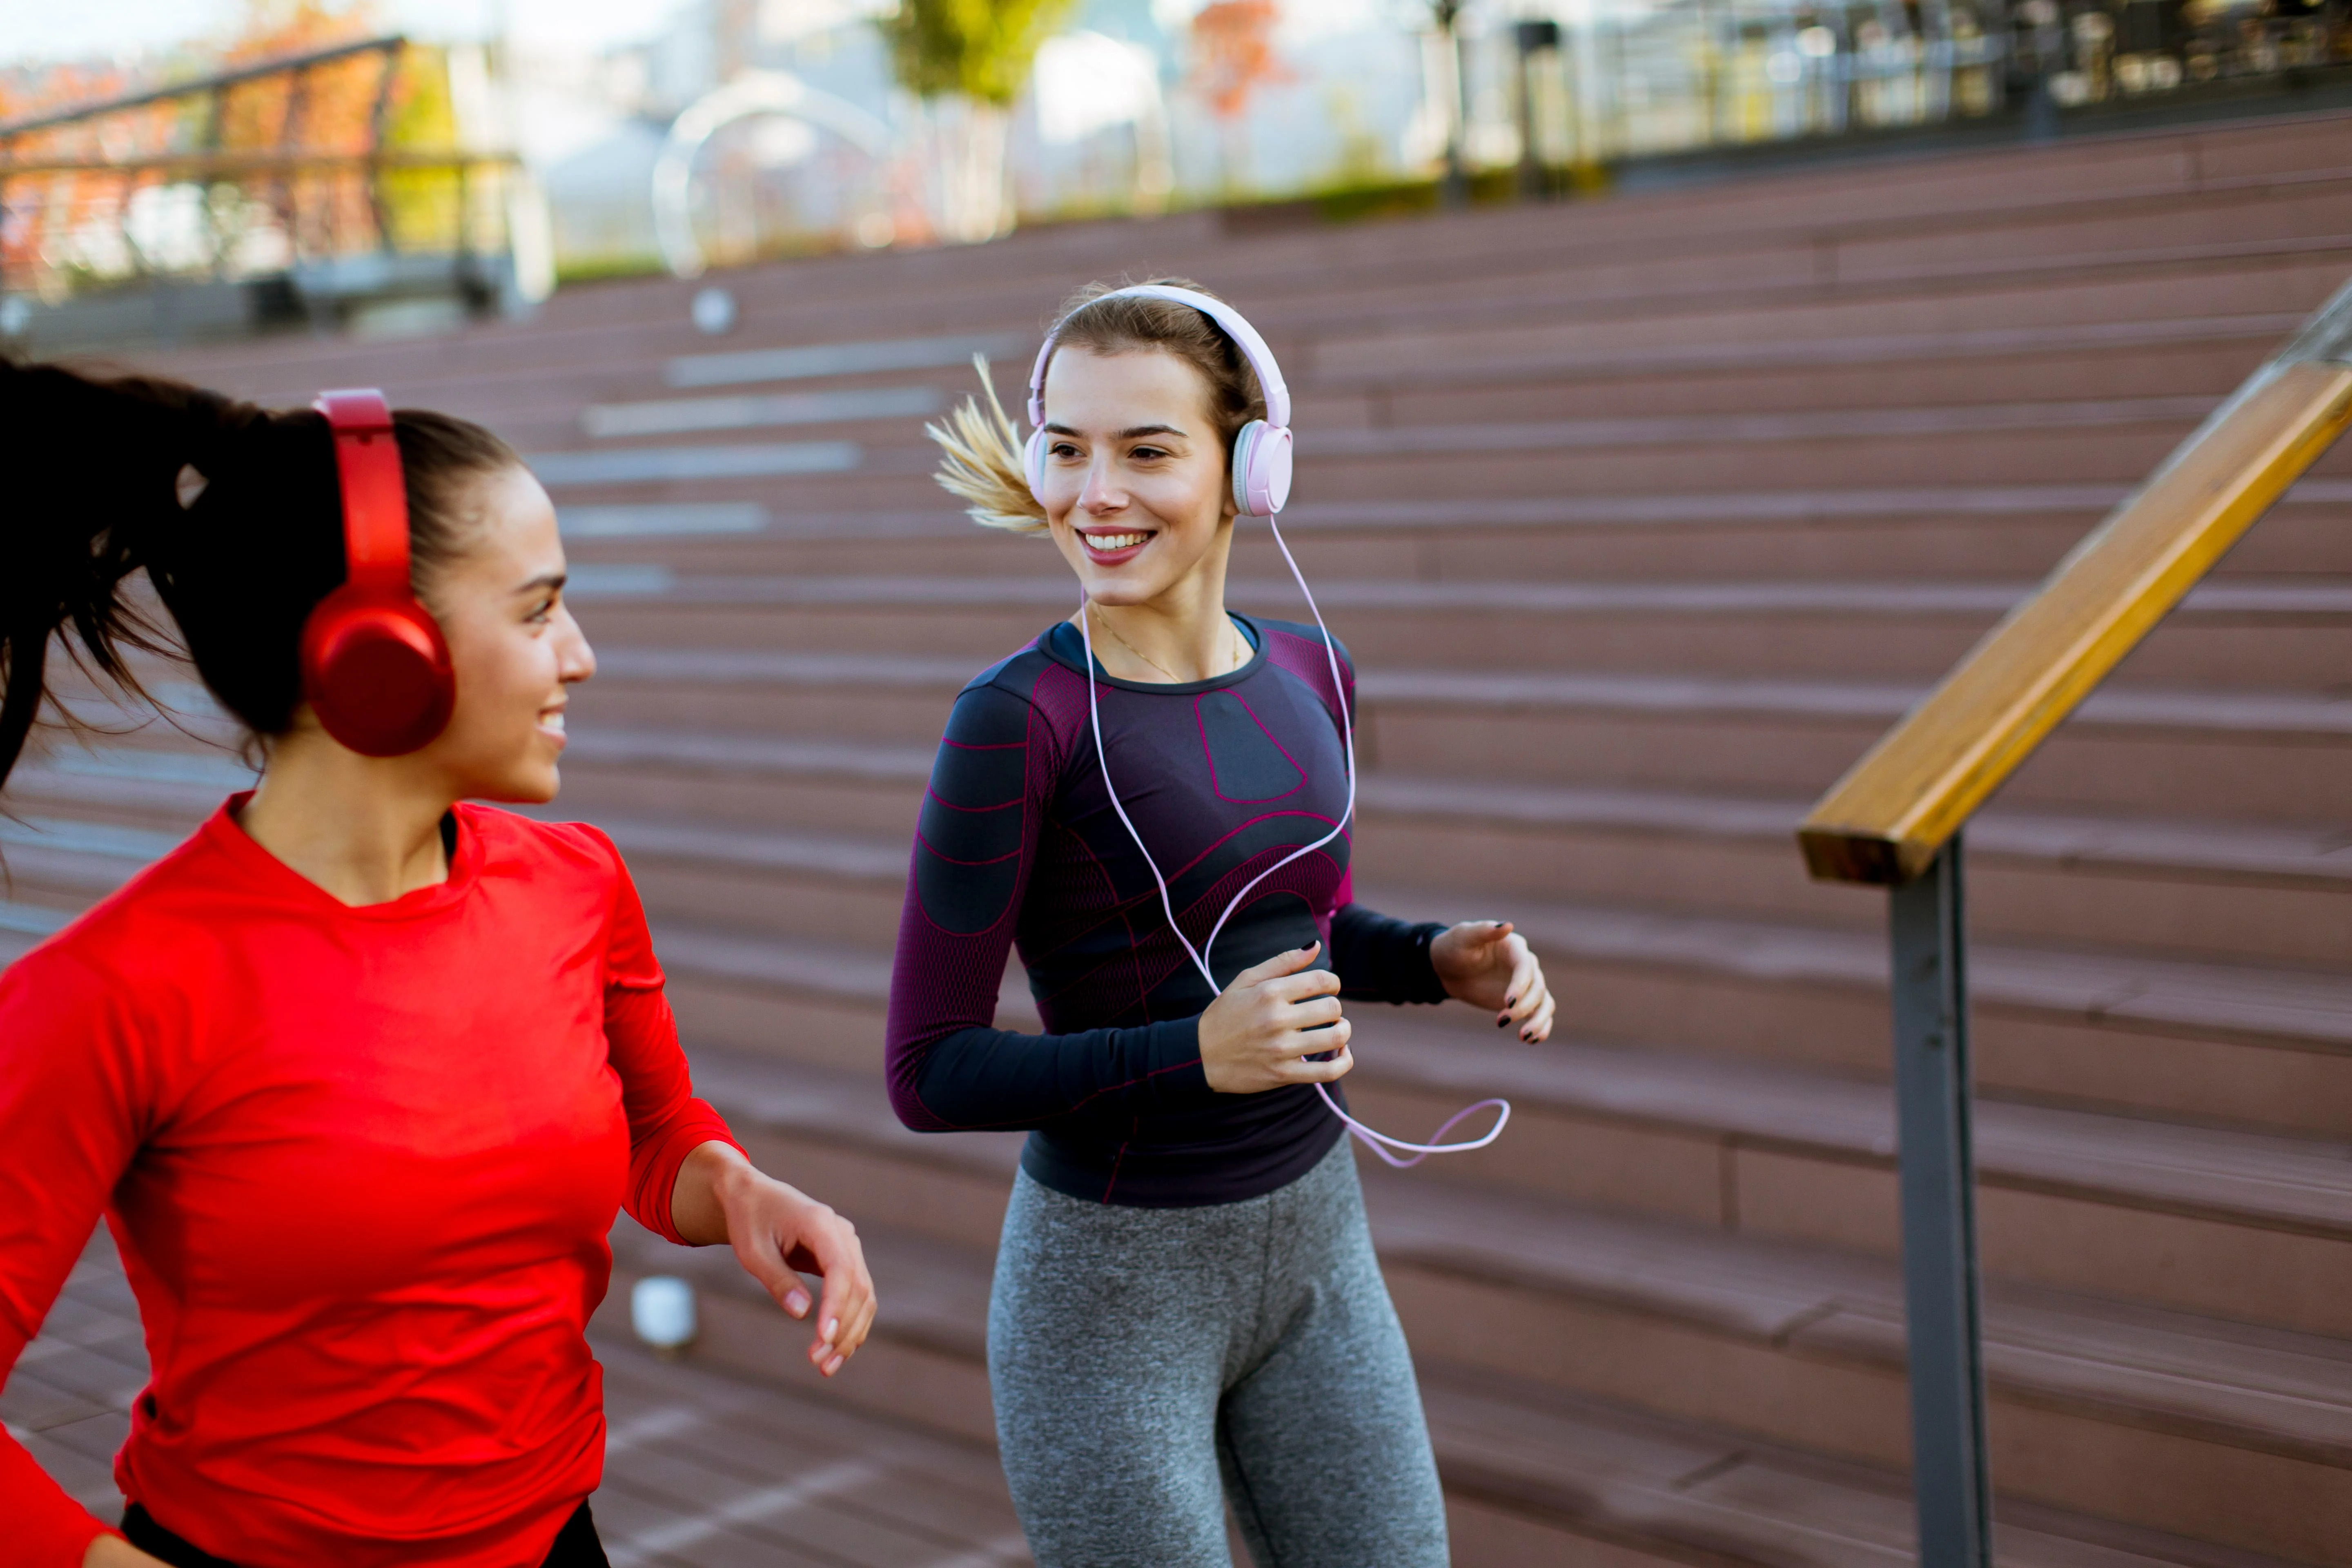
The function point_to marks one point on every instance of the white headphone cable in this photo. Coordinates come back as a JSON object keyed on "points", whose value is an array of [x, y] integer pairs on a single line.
{"points": [[1379, 1143]]}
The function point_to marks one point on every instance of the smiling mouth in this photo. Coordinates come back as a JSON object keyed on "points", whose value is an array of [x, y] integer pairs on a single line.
{"points": [[552, 720], [1107, 544]]}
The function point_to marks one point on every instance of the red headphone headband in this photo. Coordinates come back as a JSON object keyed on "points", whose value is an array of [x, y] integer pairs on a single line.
{"points": [[375, 501]]}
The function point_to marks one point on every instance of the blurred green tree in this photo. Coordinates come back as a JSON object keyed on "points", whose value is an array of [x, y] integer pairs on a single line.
{"points": [[970, 58]]}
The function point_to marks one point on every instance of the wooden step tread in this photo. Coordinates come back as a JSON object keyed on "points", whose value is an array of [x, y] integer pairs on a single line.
{"points": [[627, 422], [1744, 507], [2239, 599], [2250, 713], [2277, 1182], [2283, 1182], [2288, 1005], [1574, 1462], [191, 783], [1624, 1474], [2254, 852], [1591, 1465], [2312, 1009], [2316, 855], [2272, 1389]]}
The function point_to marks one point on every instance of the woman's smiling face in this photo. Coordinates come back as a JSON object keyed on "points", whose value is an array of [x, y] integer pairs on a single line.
{"points": [[1135, 477], [513, 644]]}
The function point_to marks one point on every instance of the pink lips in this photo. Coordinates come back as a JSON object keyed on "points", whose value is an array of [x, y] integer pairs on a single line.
{"points": [[1116, 557]]}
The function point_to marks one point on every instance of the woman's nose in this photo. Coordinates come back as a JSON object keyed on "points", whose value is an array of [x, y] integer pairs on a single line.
{"points": [[1101, 492], [574, 660]]}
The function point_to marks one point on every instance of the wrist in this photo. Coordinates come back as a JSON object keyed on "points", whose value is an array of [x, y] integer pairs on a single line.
{"points": [[732, 1178]]}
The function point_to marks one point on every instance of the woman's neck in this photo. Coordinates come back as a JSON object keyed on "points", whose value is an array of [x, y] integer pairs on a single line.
{"points": [[367, 830], [1181, 634]]}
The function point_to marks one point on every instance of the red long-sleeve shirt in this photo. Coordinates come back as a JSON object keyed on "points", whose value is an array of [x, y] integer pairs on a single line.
{"points": [[360, 1163]]}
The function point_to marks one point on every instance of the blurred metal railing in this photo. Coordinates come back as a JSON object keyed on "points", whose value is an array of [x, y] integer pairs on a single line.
{"points": [[1895, 820], [313, 187]]}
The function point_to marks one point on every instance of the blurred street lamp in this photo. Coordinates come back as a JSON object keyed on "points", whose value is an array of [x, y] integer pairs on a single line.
{"points": [[1456, 186], [1535, 37]]}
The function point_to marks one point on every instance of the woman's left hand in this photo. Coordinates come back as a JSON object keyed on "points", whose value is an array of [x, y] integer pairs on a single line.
{"points": [[780, 1233], [1488, 964]]}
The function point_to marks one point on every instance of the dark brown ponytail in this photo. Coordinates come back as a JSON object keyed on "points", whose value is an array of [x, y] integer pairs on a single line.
{"points": [[233, 511]]}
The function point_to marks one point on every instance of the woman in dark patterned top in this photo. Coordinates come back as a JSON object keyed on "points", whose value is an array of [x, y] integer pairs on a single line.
{"points": [[1187, 1311]]}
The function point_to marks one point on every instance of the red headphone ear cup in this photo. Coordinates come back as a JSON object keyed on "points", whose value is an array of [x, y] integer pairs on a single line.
{"points": [[376, 673]]}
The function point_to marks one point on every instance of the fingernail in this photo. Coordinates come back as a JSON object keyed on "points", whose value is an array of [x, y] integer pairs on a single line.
{"points": [[832, 1327], [796, 1303], [1510, 1001], [1501, 1022]]}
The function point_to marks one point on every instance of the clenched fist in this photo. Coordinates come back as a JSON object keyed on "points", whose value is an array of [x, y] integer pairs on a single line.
{"points": [[1262, 1031]]}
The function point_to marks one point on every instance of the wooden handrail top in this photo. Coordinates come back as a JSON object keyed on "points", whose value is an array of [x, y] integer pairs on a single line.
{"points": [[1896, 808]]}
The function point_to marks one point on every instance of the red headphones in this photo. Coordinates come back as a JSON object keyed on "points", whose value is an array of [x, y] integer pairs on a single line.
{"points": [[376, 668]]}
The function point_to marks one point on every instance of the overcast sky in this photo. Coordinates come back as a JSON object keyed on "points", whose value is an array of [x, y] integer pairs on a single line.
{"points": [[43, 29]]}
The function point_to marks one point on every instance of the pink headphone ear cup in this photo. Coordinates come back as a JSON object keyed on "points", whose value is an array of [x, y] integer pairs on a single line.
{"points": [[1244, 447], [1261, 469], [1033, 464]]}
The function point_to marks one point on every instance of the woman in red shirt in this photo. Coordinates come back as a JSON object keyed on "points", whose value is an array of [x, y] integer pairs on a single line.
{"points": [[359, 1074]]}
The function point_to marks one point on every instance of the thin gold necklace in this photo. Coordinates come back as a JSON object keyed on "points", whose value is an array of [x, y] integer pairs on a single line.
{"points": [[1171, 675]]}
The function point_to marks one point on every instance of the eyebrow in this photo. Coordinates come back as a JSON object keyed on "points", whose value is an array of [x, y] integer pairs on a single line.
{"points": [[544, 580], [1130, 433]]}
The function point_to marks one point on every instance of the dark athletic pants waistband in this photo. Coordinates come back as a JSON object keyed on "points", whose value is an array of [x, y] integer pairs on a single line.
{"points": [[577, 1546]]}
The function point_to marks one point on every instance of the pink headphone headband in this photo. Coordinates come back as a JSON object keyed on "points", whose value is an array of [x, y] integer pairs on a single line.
{"points": [[1228, 320]]}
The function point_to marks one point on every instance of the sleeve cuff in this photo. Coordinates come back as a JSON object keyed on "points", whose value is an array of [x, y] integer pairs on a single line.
{"points": [[657, 1189], [1179, 1080]]}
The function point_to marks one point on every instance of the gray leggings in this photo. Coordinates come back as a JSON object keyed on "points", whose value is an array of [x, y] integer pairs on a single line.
{"points": [[1139, 1356]]}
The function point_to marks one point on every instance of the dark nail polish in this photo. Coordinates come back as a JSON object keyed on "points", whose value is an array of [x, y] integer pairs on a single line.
{"points": [[1501, 1023]]}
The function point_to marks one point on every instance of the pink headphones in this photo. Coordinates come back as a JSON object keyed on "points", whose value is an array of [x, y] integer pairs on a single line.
{"points": [[1261, 451], [374, 667]]}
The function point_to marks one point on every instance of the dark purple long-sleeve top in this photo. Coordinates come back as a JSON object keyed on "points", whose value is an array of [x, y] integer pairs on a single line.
{"points": [[1018, 845]]}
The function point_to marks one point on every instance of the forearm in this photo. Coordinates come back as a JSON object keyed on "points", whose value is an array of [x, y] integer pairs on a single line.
{"points": [[978, 1077], [1379, 958]]}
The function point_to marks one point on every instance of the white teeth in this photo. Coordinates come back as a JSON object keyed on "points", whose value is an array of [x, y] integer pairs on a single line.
{"points": [[1108, 542], [552, 722]]}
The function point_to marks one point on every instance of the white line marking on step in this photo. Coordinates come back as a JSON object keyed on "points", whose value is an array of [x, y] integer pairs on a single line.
{"points": [[1003, 1548], [764, 1504]]}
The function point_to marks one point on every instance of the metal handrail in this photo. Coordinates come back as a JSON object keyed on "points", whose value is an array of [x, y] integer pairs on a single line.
{"points": [[51, 117], [202, 164], [1895, 819]]}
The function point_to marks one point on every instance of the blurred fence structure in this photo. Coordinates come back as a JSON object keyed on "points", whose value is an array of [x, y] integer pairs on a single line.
{"points": [[343, 184], [1626, 80]]}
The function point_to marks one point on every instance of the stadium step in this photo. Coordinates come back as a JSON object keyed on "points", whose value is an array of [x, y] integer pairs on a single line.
{"points": [[2255, 756], [2273, 633], [1783, 1341], [2176, 1213], [2255, 1044]]}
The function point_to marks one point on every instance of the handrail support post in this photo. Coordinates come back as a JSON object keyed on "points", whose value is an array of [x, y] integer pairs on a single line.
{"points": [[1927, 924]]}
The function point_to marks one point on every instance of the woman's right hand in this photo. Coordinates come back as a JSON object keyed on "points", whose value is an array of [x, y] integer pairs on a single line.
{"points": [[1259, 1034]]}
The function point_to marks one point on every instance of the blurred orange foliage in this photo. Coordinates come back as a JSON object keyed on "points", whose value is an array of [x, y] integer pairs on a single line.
{"points": [[330, 108], [1232, 43]]}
